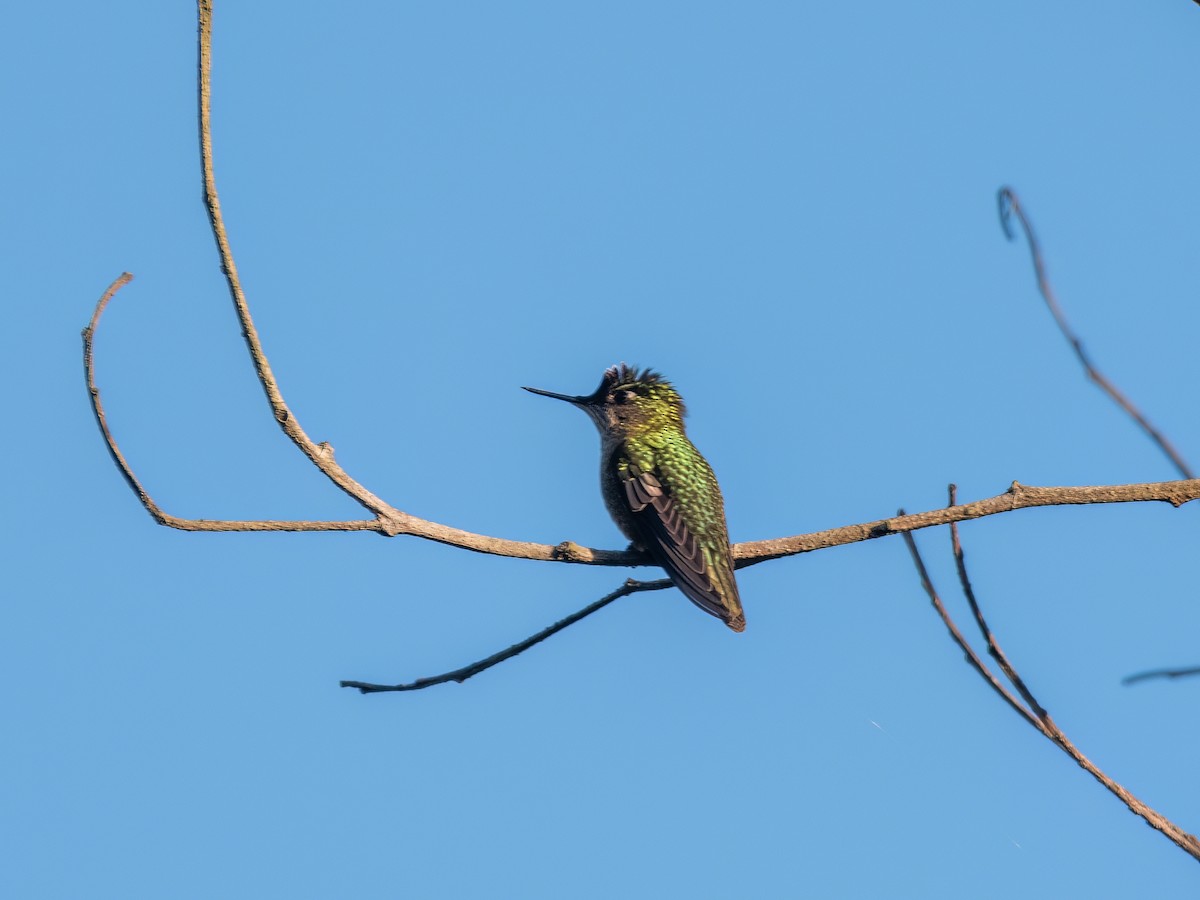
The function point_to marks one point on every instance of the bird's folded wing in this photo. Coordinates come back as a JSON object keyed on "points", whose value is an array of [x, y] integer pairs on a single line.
{"points": [[667, 537]]}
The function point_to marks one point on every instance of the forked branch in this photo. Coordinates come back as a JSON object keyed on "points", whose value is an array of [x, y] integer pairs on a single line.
{"points": [[1035, 714]]}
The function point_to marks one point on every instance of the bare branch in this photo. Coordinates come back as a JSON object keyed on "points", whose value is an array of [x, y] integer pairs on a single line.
{"points": [[164, 518], [386, 522], [1018, 496], [469, 671], [1011, 206], [282, 413], [390, 520], [1041, 719]]}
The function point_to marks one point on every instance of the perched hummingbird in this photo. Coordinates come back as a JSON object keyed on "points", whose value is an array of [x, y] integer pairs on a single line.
{"points": [[658, 488]]}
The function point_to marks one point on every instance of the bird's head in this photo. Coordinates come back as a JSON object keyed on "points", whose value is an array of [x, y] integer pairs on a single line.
{"points": [[629, 402]]}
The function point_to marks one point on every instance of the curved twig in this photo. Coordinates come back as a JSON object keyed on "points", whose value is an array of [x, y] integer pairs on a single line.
{"points": [[482, 665], [390, 520], [282, 413], [1018, 496], [165, 518], [1040, 719], [1010, 206]]}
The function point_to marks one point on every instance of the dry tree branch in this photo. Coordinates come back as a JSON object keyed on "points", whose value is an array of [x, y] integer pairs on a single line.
{"points": [[469, 671], [1039, 718], [1018, 496], [390, 521], [1010, 206], [321, 457], [164, 518]]}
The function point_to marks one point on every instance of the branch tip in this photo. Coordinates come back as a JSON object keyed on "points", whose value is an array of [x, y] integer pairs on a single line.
{"points": [[1006, 200]]}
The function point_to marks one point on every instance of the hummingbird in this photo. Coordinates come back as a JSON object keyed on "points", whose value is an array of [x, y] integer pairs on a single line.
{"points": [[659, 490]]}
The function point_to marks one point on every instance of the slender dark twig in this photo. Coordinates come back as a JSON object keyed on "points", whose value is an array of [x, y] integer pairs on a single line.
{"points": [[1160, 673], [956, 635], [1010, 206], [469, 671], [994, 650]]}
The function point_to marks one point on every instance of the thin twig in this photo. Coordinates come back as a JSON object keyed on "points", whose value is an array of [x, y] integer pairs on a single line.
{"points": [[390, 520], [89, 375], [1160, 673], [1010, 206], [385, 523], [993, 646], [469, 671], [282, 413], [1041, 720], [971, 656]]}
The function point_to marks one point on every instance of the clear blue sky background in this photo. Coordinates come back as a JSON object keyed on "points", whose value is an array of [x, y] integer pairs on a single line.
{"points": [[790, 210]]}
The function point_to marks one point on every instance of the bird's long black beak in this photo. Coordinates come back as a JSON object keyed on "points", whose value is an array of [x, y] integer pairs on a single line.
{"points": [[577, 401]]}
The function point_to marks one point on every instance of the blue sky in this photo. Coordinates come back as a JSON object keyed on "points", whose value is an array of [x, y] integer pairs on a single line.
{"points": [[790, 210]]}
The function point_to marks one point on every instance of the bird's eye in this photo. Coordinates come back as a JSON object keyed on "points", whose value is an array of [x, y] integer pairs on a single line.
{"points": [[623, 396]]}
